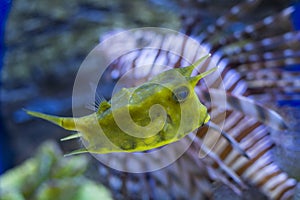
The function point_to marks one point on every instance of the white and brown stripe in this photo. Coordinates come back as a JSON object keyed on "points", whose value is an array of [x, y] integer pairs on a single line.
{"points": [[242, 114], [245, 59]]}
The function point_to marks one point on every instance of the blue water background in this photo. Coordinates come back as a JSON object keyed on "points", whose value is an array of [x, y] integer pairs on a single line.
{"points": [[4, 147]]}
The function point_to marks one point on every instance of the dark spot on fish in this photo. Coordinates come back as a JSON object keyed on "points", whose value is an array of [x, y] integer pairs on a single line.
{"points": [[162, 136], [128, 145], [169, 119]]}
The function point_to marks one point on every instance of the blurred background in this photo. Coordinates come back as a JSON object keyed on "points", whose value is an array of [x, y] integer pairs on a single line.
{"points": [[44, 42]]}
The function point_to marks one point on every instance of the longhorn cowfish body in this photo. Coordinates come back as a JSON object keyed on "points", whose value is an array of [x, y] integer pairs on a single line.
{"points": [[158, 112]]}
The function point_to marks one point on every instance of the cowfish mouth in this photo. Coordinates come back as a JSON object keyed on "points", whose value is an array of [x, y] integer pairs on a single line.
{"points": [[207, 118]]}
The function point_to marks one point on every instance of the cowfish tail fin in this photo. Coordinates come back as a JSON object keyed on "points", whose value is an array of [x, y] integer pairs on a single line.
{"points": [[67, 123]]}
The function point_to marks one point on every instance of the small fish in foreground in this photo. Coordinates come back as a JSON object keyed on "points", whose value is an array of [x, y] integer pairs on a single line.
{"points": [[156, 113]]}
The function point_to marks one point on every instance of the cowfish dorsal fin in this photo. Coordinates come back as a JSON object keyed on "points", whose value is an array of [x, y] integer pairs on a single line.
{"points": [[103, 106]]}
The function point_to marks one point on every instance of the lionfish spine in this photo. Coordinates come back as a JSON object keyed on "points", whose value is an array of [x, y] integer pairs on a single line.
{"points": [[248, 107], [255, 139], [266, 56], [283, 41], [276, 184], [223, 21], [253, 136], [256, 30], [287, 85], [253, 31]]}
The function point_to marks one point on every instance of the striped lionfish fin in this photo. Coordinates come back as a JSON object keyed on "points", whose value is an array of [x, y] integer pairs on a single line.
{"points": [[228, 137], [260, 170], [256, 31], [233, 53], [223, 21], [248, 107]]}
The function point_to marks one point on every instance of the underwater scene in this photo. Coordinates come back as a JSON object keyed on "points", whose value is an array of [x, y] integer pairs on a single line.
{"points": [[148, 99]]}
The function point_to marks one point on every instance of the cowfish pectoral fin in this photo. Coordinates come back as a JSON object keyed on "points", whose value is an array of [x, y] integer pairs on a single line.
{"points": [[75, 152], [67, 123], [104, 105]]}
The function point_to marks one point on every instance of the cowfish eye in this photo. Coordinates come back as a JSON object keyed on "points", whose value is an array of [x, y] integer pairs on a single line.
{"points": [[180, 94]]}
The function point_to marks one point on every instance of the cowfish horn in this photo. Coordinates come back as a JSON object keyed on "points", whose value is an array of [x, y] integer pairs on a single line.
{"points": [[187, 71], [194, 80]]}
